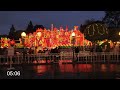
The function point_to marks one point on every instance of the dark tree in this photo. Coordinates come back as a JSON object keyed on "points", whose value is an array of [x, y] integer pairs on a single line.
{"points": [[89, 21], [96, 31], [30, 28], [82, 27], [18, 34], [3, 36], [12, 32], [38, 26], [112, 19], [114, 34]]}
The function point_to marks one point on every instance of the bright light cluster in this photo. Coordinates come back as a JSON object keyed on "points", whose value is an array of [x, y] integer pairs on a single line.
{"points": [[54, 38]]}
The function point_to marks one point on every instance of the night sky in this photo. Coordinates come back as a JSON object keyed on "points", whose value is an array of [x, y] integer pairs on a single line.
{"points": [[20, 19]]}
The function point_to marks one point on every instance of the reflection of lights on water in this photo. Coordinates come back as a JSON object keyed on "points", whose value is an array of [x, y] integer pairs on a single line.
{"points": [[69, 68], [103, 68], [85, 68], [111, 67], [39, 61], [41, 69], [66, 68], [79, 67], [117, 68]]}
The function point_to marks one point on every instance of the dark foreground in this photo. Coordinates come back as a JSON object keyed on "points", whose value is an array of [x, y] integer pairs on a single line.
{"points": [[63, 71]]}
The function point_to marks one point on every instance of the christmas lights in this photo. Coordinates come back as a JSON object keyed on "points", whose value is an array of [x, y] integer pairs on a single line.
{"points": [[93, 29]]}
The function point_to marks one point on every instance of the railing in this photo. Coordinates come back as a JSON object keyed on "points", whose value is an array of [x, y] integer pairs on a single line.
{"points": [[82, 57]]}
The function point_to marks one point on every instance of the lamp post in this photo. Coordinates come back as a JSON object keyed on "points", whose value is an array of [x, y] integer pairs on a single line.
{"points": [[23, 35], [73, 42]]}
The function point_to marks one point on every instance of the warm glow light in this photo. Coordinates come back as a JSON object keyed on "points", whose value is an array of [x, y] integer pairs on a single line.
{"points": [[46, 38], [39, 34], [55, 38], [73, 34], [23, 34], [119, 33]]}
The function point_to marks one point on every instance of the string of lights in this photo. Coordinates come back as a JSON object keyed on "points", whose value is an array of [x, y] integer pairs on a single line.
{"points": [[93, 29]]}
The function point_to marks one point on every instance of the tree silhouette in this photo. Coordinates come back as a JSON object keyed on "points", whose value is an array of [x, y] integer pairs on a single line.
{"points": [[96, 31], [112, 19], [12, 32], [30, 28], [89, 21], [114, 34], [38, 26], [18, 34], [82, 28]]}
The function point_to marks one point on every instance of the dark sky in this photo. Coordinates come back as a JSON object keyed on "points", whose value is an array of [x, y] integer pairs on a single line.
{"points": [[20, 19]]}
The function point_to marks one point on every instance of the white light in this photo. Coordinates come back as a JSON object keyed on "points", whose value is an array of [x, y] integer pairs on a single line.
{"points": [[23, 34], [73, 34]]}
